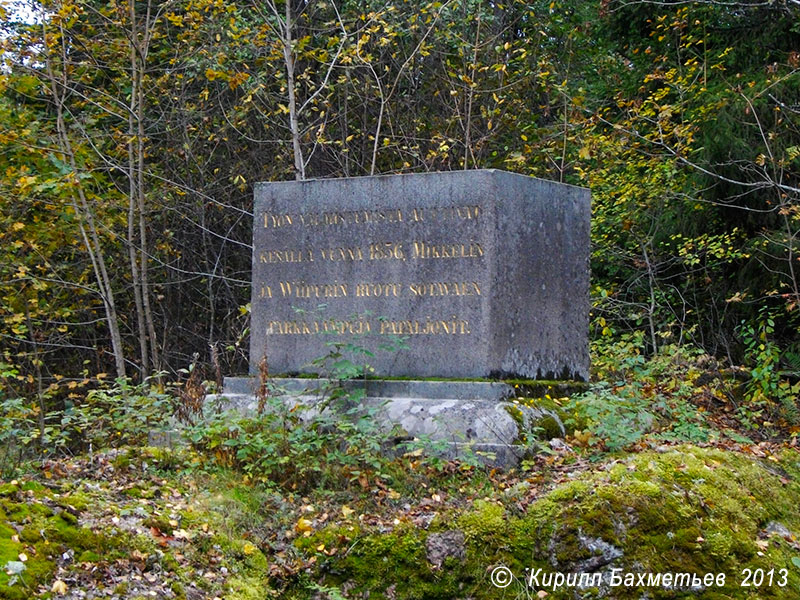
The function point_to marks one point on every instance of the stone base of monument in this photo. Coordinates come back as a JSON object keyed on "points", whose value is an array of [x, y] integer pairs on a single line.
{"points": [[453, 418]]}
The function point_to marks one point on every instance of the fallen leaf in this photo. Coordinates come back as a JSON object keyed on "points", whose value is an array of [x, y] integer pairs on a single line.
{"points": [[303, 525], [59, 587]]}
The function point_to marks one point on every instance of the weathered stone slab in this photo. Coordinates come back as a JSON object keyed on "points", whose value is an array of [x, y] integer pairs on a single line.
{"points": [[453, 418], [483, 273]]}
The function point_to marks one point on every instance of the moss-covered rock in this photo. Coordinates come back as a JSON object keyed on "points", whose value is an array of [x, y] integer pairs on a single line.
{"points": [[32, 531], [684, 510]]}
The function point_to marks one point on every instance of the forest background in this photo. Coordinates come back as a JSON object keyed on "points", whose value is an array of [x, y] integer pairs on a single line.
{"points": [[131, 134]]}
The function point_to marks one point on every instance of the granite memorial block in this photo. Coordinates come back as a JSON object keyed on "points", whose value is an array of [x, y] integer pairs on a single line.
{"points": [[482, 273]]}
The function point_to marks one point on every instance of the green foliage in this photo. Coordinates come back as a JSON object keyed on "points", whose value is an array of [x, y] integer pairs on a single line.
{"points": [[333, 441], [17, 426], [615, 418], [107, 417], [768, 390], [293, 450], [116, 416], [679, 116], [649, 397]]}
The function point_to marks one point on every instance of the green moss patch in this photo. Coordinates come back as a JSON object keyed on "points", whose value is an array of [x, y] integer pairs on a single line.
{"points": [[684, 510]]}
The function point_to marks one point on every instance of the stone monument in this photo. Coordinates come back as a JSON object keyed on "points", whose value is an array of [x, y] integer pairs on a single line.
{"points": [[482, 274]]}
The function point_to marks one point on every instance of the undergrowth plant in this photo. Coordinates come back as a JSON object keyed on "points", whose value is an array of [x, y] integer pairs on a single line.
{"points": [[111, 415], [646, 396], [769, 395], [336, 442]]}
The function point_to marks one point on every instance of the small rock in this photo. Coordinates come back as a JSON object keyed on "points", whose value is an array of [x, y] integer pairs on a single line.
{"points": [[518, 489], [604, 553], [775, 528], [560, 445], [440, 546], [424, 520]]}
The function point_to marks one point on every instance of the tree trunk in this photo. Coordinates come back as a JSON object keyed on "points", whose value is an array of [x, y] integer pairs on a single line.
{"points": [[91, 239], [294, 125]]}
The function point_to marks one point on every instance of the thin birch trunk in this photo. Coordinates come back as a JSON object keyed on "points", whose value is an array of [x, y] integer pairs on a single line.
{"points": [[80, 205]]}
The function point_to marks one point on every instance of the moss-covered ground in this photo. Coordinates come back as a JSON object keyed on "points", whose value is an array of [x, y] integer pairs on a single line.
{"points": [[144, 523]]}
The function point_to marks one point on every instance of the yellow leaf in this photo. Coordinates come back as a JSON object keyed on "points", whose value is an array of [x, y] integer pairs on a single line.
{"points": [[17, 226], [303, 525], [347, 511], [59, 587], [249, 549]]}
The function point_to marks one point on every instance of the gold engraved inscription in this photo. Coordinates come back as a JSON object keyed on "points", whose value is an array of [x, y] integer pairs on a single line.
{"points": [[302, 289], [446, 288], [314, 327], [367, 216], [277, 220], [431, 289], [342, 254], [378, 290], [386, 250], [432, 250], [446, 213], [429, 326], [286, 256], [352, 217]]}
